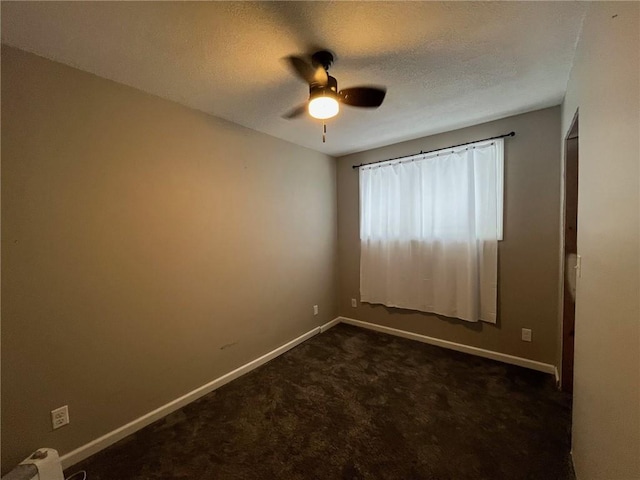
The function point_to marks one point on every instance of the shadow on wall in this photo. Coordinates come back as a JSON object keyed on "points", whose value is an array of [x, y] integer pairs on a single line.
{"points": [[392, 311]]}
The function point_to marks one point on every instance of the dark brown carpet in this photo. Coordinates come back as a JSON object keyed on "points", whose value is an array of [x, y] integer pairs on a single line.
{"points": [[354, 404]]}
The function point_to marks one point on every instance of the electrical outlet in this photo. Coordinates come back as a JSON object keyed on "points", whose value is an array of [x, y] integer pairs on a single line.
{"points": [[526, 334], [60, 417], [315, 309], [354, 303]]}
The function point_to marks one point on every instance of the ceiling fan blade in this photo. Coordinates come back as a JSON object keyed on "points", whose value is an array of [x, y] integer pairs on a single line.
{"points": [[307, 72], [296, 112], [370, 97]]}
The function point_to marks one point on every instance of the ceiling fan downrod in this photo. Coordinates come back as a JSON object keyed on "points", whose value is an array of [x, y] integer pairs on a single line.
{"points": [[324, 58]]}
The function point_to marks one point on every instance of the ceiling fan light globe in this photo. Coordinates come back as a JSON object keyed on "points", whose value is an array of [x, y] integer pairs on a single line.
{"points": [[323, 107]]}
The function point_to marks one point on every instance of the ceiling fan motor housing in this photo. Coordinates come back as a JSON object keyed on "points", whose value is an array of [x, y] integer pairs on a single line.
{"points": [[330, 89]]}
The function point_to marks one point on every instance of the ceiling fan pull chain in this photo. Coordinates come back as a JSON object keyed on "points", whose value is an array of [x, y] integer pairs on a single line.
{"points": [[324, 132]]}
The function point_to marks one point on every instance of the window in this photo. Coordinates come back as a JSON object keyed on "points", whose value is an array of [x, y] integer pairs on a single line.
{"points": [[429, 231]]}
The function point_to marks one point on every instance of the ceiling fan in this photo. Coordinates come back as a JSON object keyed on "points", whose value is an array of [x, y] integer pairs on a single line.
{"points": [[324, 96]]}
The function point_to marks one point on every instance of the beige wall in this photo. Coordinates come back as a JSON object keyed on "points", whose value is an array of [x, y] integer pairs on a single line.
{"points": [[138, 239], [605, 87], [528, 256]]}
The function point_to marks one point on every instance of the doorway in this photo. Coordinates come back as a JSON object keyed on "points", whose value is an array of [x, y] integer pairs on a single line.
{"points": [[571, 259]]}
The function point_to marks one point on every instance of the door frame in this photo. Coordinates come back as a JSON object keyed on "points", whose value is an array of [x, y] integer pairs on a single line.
{"points": [[569, 234]]}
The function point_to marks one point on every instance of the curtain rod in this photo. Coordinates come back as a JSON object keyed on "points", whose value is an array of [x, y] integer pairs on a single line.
{"points": [[510, 134]]}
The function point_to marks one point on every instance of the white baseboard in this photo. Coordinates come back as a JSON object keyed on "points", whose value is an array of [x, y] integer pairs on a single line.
{"points": [[112, 437], [328, 325], [480, 352]]}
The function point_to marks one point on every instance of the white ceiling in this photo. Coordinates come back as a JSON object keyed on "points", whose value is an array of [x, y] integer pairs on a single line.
{"points": [[446, 65]]}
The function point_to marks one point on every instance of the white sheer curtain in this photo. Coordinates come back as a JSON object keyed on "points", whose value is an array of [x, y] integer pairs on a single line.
{"points": [[429, 231]]}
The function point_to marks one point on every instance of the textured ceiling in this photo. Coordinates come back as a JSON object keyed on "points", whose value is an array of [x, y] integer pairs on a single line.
{"points": [[446, 65]]}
